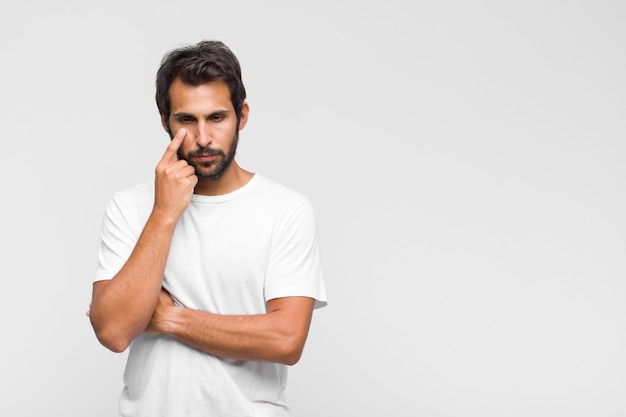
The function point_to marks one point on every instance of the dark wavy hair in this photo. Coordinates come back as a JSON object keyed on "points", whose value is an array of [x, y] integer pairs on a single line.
{"points": [[196, 65]]}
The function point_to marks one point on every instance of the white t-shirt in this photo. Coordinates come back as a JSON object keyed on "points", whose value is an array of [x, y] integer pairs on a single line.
{"points": [[230, 254]]}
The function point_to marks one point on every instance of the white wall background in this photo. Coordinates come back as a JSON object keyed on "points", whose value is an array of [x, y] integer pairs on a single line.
{"points": [[467, 161]]}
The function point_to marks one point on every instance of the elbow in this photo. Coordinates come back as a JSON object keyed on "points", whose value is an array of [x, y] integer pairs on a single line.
{"points": [[114, 344], [110, 339], [292, 359], [291, 352]]}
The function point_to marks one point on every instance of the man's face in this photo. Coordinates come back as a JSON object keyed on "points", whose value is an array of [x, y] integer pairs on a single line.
{"points": [[207, 114]]}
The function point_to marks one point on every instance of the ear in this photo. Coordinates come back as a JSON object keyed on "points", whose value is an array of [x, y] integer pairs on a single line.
{"points": [[245, 110], [165, 123]]}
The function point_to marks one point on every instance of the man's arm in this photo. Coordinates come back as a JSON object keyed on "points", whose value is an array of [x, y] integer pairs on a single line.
{"points": [[121, 308], [276, 336]]}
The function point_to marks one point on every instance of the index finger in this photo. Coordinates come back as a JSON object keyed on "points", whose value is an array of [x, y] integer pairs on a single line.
{"points": [[172, 148]]}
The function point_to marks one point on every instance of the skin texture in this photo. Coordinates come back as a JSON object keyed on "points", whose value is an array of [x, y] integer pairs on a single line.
{"points": [[134, 302], [208, 116]]}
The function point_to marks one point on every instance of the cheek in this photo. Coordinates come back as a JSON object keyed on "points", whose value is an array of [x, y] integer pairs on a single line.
{"points": [[226, 133], [187, 146]]}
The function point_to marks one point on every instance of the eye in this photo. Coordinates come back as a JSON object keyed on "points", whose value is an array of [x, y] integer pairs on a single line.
{"points": [[217, 117], [185, 119]]}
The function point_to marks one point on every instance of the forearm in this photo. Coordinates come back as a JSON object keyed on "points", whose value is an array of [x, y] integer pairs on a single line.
{"points": [[122, 307], [277, 336]]}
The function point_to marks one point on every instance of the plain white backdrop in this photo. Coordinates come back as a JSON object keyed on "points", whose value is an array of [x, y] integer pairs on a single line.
{"points": [[467, 163]]}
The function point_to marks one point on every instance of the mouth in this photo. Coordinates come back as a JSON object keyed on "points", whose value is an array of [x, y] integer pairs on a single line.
{"points": [[205, 155]]}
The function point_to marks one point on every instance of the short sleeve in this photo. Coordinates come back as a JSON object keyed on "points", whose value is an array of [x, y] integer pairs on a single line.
{"points": [[117, 242], [294, 264]]}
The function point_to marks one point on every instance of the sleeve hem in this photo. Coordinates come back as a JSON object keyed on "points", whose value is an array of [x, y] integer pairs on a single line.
{"points": [[317, 295]]}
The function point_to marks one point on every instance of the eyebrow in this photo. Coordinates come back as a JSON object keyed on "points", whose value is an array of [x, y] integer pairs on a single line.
{"points": [[213, 113]]}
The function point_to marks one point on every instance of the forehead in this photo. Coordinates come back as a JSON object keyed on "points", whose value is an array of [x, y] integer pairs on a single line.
{"points": [[207, 96]]}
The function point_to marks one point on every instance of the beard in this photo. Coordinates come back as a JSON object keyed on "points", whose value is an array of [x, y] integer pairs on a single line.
{"points": [[214, 169]]}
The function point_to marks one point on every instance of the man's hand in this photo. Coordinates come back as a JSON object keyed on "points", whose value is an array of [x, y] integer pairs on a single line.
{"points": [[123, 306], [159, 315], [175, 181]]}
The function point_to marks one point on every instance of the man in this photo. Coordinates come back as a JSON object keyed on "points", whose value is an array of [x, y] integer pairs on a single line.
{"points": [[210, 273]]}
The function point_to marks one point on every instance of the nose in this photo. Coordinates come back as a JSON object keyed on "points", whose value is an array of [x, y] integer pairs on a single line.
{"points": [[203, 135]]}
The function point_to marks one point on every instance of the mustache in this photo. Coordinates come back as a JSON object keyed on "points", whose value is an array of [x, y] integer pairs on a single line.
{"points": [[206, 151]]}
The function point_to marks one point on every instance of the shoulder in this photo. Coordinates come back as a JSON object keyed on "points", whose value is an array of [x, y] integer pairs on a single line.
{"points": [[134, 202], [278, 193], [284, 204], [136, 194]]}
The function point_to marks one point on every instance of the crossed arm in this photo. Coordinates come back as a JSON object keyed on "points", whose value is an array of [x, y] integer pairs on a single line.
{"points": [[276, 336], [133, 301]]}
